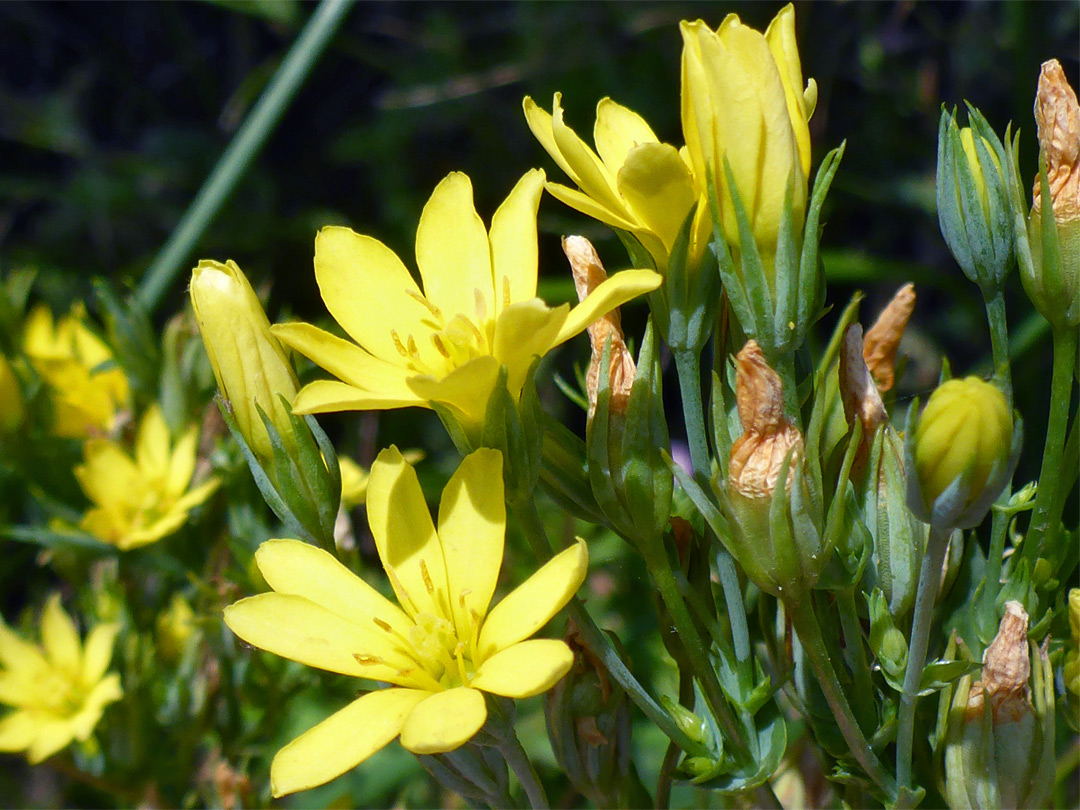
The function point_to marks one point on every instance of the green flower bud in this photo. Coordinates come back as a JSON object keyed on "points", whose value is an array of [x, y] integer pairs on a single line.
{"points": [[1071, 670], [973, 200], [1000, 730], [962, 452]]}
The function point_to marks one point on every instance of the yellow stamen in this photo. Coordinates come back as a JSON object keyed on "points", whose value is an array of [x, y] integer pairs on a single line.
{"points": [[398, 344], [440, 346], [434, 310], [427, 577]]}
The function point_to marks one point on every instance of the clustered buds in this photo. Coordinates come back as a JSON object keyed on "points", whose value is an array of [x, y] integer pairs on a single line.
{"points": [[961, 453]]}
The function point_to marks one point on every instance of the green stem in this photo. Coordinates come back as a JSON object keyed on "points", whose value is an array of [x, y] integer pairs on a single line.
{"points": [[697, 651], [999, 339], [925, 596], [597, 640], [671, 756], [243, 148], [506, 740], [806, 625], [687, 367], [1048, 505], [853, 648]]}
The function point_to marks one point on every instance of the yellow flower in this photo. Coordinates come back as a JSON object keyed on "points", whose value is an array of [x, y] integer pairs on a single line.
{"points": [[635, 184], [249, 363], [441, 649], [88, 397], [743, 99], [141, 499], [174, 627], [59, 689], [478, 310]]}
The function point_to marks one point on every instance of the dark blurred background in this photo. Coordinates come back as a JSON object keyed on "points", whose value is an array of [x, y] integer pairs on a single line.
{"points": [[112, 114]]}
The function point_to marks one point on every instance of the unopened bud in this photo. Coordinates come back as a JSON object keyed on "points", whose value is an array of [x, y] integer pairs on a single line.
{"points": [[883, 338], [1072, 655], [757, 457], [589, 273]]}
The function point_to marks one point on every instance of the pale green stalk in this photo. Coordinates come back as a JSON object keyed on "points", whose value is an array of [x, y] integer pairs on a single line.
{"points": [[243, 148]]}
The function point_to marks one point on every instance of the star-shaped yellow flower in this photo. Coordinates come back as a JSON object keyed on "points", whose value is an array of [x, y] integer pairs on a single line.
{"points": [[141, 499], [441, 649], [59, 689], [478, 309]]}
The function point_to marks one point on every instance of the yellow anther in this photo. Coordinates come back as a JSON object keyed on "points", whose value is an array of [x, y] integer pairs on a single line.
{"points": [[434, 310], [440, 346], [427, 578], [381, 624], [480, 304], [367, 660], [398, 344], [505, 291]]}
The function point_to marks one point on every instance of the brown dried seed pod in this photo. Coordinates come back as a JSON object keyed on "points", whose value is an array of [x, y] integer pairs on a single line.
{"points": [[1057, 115], [883, 338]]}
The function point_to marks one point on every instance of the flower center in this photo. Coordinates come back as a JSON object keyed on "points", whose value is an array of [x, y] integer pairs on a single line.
{"points": [[447, 344]]}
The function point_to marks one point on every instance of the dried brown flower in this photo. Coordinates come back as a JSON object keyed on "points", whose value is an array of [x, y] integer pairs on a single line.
{"points": [[1057, 115], [1006, 670], [858, 391], [588, 275], [883, 338], [757, 456]]}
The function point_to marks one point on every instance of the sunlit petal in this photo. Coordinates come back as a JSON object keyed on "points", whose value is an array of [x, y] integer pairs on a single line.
{"points": [[658, 187], [327, 396], [524, 669], [59, 637], [345, 360], [467, 388], [445, 721], [526, 330], [513, 242], [617, 131], [615, 291]]}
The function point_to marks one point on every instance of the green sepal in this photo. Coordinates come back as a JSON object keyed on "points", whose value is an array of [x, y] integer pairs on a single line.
{"points": [[768, 742], [516, 430], [133, 338], [692, 294], [600, 469], [564, 472], [811, 276]]}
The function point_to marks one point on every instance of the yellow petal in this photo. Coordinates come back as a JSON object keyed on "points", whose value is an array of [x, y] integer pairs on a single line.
{"points": [[532, 604], [614, 292], [345, 360], [445, 721], [152, 447], [342, 741], [593, 176], [327, 396], [298, 629], [617, 131], [368, 290], [785, 50], [466, 388], [181, 464], [658, 187], [109, 476], [453, 253], [301, 569], [513, 242], [103, 693], [526, 330], [695, 107], [18, 730], [98, 651], [540, 123], [405, 536], [52, 736], [525, 669], [472, 528], [579, 201], [16, 653], [59, 638]]}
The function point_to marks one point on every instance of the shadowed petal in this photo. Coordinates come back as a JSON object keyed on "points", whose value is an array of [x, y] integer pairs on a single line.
{"points": [[445, 721], [342, 741], [466, 388], [657, 185]]}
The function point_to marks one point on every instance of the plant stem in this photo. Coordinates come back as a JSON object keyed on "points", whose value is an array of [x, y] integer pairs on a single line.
{"points": [[506, 740], [999, 339], [925, 596], [598, 641], [804, 620], [243, 148], [853, 648], [671, 756], [1047, 513], [687, 367]]}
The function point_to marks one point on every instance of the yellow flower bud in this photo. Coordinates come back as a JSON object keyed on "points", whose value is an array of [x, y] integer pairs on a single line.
{"points": [[174, 627], [1072, 654], [743, 99], [962, 448], [250, 364], [967, 141]]}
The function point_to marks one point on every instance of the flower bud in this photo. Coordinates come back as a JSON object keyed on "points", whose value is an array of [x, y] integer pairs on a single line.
{"points": [[1071, 670], [1052, 276], [961, 453], [589, 274], [249, 363], [972, 200], [1000, 730]]}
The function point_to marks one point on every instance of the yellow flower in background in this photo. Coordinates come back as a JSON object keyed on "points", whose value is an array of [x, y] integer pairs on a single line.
{"points": [[478, 309], [635, 183], [249, 363], [58, 689], [441, 649], [354, 478], [88, 396], [141, 499], [743, 98]]}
